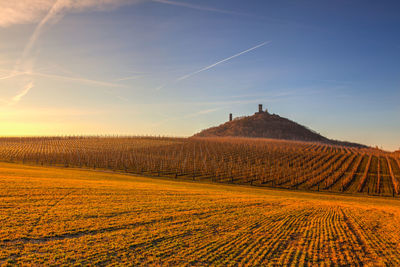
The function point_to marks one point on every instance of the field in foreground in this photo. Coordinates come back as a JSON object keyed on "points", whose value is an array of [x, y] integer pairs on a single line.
{"points": [[54, 216]]}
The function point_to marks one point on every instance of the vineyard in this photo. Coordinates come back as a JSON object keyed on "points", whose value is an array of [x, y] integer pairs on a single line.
{"points": [[259, 162]]}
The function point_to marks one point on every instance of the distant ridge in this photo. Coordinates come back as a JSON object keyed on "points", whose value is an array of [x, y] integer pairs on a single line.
{"points": [[265, 125]]}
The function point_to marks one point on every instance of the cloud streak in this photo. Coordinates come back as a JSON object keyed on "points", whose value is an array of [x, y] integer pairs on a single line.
{"points": [[214, 64], [62, 77], [53, 12], [32, 11], [23, 63], [191, 115], [13, 74], [129, 78], [202, 112], [45, 11], [21, 94], [77, 79], [191, 6]]}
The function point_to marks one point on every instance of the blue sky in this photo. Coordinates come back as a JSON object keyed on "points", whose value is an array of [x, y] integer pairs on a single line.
{"points": [[175, 67]]}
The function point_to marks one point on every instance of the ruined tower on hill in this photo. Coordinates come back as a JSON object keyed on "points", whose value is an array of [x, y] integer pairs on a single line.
{"points": [[265, 125], [260, 109]]}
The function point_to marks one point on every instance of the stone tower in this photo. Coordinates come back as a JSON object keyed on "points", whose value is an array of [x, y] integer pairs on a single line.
{"points": [[260, 110], [230, 116]]}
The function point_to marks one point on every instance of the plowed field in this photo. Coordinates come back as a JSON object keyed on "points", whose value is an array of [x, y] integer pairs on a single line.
{"points": [[67, 216]]}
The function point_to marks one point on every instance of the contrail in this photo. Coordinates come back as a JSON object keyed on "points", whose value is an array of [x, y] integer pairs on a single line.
{"points": [[174, 3], [128, 78], [21, 94], [222, 61], [77, 79], [13, 74], [55, 9], [61, 77], [213, 65]]}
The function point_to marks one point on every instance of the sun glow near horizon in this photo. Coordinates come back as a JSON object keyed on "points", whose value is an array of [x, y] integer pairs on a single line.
{"points": [[138, 67]]}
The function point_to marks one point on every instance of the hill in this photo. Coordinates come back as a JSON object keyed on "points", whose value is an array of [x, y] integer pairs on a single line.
{"points": [[265, 125]]}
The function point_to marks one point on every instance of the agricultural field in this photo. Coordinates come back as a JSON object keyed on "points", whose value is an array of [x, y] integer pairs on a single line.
{"points": [[55, 216], [259, 162]]}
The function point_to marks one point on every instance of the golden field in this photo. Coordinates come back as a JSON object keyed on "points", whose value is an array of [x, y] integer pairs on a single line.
{"points": [[56, 216]]}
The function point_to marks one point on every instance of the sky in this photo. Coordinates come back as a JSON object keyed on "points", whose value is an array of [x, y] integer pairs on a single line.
{"points": [[166, 67]]}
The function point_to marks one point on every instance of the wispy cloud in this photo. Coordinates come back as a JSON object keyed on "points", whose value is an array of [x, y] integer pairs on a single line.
{"points": [[55, 10], [25, 64], [231, 12], [32, 11], [202, 112], [10, 113], [191, 6], [128, 78], [232, 102], [61, 77], [245, 99], [21, 94], [190, 115], [12, 74], [214, 64], [78, 79], [44, 12], [161, 86]]}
